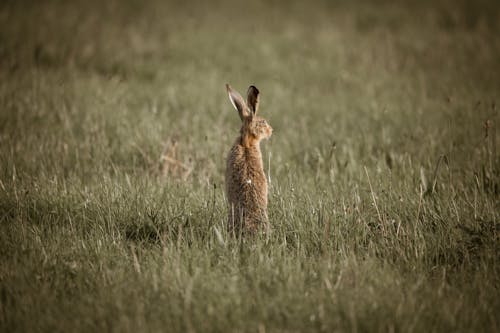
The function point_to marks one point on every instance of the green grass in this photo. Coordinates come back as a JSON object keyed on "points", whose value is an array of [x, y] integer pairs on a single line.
{"points": [[384, 166]]}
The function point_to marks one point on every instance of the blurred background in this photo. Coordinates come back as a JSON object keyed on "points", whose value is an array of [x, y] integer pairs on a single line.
{"points": [[86, 83]]}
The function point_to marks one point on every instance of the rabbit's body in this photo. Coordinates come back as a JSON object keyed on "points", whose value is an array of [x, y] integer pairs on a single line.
{"points": [[246, 184], [246, 187]]}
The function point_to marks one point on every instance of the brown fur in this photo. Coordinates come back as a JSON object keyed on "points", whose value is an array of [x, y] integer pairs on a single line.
{"points": [[246, 184]]}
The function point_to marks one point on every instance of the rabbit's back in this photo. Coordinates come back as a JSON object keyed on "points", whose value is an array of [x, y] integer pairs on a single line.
{"points": [[246, 187]]}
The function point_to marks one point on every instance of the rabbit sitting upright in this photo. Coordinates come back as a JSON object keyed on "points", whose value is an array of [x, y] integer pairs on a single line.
{"points": [[246, 184]]}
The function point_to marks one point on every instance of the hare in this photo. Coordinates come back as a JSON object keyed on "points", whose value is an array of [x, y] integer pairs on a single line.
{"points": [[246, 184]]}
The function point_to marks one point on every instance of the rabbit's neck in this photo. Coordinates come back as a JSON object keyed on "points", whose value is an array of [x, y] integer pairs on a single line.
{"points": [[250, 143], [252, 149]]}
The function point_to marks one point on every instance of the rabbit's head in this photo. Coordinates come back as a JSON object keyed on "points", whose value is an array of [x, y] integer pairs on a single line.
{"points": [[254, 128]]}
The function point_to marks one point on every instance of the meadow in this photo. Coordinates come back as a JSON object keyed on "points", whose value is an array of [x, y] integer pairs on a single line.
{"points": [[383, 166]]}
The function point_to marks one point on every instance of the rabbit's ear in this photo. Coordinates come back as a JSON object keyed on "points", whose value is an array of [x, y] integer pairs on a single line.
{"points": [[253, 99], [238, 102]]}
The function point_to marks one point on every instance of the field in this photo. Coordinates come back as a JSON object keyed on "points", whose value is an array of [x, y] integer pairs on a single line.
{"points": [[384, 167]]}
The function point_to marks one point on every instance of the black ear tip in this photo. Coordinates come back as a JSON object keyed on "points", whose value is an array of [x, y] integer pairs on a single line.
{"points": [[254, 89]]}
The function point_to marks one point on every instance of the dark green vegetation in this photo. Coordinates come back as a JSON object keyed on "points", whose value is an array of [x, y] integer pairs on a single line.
{"points": [[384, 166]]}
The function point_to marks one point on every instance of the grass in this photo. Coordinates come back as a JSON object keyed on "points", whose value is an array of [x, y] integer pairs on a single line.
{"points": [[384, 196]]}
